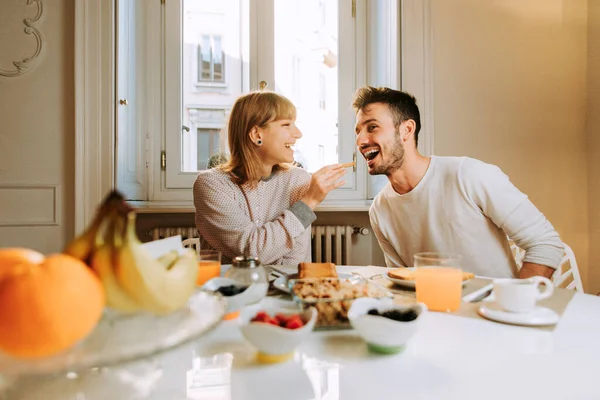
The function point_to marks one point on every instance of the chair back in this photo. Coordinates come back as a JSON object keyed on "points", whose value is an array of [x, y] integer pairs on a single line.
{"points": [[566, 275], [192, 243]]}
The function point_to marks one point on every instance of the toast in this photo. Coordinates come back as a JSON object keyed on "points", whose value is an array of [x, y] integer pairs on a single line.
{"points": [[406, 274], [316, 270]]}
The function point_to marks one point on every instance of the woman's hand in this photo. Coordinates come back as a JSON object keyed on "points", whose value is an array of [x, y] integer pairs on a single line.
{"points": [[322, 182]]}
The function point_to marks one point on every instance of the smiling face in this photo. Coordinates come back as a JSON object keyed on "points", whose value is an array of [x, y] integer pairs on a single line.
{"points": [[278, 140], [378, 139]]}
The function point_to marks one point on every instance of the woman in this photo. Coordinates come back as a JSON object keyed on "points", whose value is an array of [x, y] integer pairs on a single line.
{"points": [[257, 203]]}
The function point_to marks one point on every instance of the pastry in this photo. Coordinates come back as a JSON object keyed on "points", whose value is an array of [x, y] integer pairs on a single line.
{"points": [[316, 270], [407, 274]]}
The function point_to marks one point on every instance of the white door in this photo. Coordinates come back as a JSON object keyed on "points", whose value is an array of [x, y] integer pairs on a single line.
{"points": [[36, 127]]}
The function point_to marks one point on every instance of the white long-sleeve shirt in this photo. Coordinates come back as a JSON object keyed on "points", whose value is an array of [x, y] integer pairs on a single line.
{"points": [[268, 221], [467, 207]]}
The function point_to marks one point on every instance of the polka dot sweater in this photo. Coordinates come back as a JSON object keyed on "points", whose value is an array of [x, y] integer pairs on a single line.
{"points": [[269, 221]]}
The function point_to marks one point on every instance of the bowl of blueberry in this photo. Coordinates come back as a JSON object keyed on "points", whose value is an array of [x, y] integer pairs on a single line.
{"points": [[236, 294], [386, 327]]}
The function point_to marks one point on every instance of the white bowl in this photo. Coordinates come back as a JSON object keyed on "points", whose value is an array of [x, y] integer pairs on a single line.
{"points": [[274, 343], [384, 335], [252, 294]]}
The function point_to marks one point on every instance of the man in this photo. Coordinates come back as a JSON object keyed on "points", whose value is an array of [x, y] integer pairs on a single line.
{"points": [[445, 204]]}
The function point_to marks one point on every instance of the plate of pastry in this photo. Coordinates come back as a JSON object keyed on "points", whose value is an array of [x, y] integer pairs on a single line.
{"points": [[309, 270], [405, 277]]}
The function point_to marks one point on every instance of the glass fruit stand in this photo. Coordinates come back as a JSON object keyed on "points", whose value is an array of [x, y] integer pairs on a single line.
{"points": [[118, 302], [119, 339]]}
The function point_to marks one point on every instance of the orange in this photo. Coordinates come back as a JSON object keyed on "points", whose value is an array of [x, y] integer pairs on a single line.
{"points": [[13, 256], [48, 306]]}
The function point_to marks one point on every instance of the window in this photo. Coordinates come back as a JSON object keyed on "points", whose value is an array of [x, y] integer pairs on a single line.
{"points": [[211, 59], [213, 52]]}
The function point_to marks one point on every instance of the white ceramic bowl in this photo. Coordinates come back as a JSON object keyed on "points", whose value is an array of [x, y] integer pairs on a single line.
{"points": [[274, 343], [384, 335], [252, 294]]}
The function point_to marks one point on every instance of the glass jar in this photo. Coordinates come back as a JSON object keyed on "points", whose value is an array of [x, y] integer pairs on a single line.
{"points": [[247, 271]]}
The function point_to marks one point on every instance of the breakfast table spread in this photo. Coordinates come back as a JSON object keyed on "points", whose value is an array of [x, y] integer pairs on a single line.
{"points": [[458, 355]]}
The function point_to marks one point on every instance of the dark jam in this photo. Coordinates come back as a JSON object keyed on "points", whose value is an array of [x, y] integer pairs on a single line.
{"points": [[396, 315], [231, 290]]}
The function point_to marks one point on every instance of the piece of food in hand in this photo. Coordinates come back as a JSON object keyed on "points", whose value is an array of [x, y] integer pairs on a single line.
{"points": [[348, 164], [316, 270], [396, 315], [406, 274], [48, 305], [288, 321]]}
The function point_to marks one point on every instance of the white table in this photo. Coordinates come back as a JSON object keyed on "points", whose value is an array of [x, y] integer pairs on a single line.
{"points": [[451, 357]]}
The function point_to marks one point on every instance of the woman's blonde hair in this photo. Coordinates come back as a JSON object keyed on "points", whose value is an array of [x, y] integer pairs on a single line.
{"points": [[253, 110]]}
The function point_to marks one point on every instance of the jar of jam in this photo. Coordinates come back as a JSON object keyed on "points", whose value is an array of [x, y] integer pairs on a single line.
{"points": [[247, 271]]}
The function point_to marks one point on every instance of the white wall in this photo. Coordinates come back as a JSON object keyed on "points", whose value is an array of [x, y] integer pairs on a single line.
{"points": [[37, 131], [510, 89], [593, 143]]}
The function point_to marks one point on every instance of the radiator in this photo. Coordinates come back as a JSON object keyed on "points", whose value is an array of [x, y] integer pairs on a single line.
{"points": [[330, 243]]}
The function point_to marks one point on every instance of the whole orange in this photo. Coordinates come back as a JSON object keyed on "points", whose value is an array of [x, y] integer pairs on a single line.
{"points": [[13, 256], [49, 306]]}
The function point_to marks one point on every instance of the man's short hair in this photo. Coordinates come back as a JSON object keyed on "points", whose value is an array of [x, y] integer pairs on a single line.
{"points": [[402, 105]]}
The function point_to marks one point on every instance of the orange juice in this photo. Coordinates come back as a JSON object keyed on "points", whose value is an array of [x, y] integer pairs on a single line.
{"points": [[440, 288], [207, 269]]}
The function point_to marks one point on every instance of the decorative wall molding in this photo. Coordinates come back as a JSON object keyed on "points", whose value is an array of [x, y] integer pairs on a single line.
{"points": [[94, 106], [29, 205], [24, 65]]}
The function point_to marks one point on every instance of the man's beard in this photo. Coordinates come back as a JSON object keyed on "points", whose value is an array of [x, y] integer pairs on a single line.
{"points": [[396, 159]]}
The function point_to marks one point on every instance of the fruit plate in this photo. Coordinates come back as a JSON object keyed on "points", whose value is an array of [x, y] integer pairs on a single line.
{"points": [[120, 338]]}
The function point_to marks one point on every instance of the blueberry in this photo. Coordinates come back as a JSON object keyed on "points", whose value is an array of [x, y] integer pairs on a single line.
{"points": [[400, 316]]}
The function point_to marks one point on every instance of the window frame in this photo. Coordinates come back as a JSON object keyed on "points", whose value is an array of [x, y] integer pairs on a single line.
{"points": [[96, 102]]}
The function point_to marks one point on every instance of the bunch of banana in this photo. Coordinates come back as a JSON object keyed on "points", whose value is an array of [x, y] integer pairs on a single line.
{"points": [[84, 245], [133, 280]]}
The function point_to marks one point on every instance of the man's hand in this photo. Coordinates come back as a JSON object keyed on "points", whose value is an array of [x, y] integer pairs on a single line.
{"points": [[530, 269]]}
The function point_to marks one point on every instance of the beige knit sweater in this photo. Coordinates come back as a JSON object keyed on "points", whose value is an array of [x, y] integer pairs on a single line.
{"points": [[269, 222]]}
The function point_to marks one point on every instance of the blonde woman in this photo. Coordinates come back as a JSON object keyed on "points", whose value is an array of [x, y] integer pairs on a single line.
{"points": [[257, 203]]}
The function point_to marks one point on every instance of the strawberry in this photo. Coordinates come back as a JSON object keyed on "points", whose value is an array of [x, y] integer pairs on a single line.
{"points": [[294, 322], [261, 317], [283, 319]]}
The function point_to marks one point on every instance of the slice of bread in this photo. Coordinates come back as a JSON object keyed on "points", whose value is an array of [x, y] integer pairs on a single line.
{"points": [[409, 274], [316, 270], [402, 273]]}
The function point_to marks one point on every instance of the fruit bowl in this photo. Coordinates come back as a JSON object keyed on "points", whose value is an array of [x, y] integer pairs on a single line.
{"points": [[275, 343], [120, 338], [383, 334]]}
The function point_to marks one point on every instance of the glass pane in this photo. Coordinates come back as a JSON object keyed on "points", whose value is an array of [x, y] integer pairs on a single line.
{"points": [[306, 72], [212, 38], [217, 60]]}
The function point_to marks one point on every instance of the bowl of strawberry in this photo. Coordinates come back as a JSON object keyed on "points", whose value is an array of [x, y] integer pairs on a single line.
{"points": [[276, 333]]}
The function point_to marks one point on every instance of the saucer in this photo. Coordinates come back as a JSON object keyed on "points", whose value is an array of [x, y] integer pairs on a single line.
{"points": [[538, 317]]}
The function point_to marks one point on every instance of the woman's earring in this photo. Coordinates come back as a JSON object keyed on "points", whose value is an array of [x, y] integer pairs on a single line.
{"points": [[259, 142]]}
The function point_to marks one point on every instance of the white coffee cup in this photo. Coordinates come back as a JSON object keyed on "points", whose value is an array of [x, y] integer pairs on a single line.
{"points": [[521, 295]]}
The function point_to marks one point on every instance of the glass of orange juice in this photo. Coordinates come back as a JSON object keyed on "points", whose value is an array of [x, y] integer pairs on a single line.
{"points": [[209, 265], [438, 281]]}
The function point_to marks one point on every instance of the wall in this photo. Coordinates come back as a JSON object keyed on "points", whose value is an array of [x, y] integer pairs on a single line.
{"points": [[509, 89], [593, 143], [37, 129]]}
